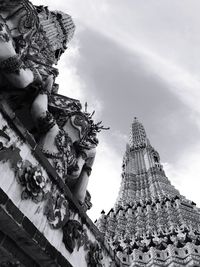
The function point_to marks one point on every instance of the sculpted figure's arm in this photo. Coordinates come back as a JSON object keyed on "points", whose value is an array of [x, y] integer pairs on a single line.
{"points": [[79, 190], [44, 120], [85, 157]]}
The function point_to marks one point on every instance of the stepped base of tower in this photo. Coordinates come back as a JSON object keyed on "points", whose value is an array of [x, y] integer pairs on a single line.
{"points": [[140, 238], [172, 256], [162, 232]]}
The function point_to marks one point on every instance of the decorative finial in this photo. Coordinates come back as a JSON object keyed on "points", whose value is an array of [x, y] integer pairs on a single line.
{"points": [[86, 105]]}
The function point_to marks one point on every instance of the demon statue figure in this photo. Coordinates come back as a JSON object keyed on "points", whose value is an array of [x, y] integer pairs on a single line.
{"points": [[32, 39]]}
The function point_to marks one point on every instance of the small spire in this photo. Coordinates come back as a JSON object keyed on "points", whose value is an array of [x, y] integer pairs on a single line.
{"points": [[86, 106], [137, 134], [135, 120]]}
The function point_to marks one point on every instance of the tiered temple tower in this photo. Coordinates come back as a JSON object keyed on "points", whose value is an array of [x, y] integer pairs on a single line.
{"points": [[152, 224]]}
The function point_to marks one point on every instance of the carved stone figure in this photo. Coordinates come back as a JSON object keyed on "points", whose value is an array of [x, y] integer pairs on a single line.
{"points": [[32, 40], [69, 141]]}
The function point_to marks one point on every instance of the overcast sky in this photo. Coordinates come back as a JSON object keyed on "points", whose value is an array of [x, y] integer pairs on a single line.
{"points": [[137, 58]]}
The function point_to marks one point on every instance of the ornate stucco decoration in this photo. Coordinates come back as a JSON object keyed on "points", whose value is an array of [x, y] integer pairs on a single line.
{"points": [[36, 185], [57, 208], [74, 235], [94, 256], [32, 181], [32, 39]]}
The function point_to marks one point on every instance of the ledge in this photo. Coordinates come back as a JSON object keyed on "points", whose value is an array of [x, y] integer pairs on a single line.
{"points": [[25, 240]]}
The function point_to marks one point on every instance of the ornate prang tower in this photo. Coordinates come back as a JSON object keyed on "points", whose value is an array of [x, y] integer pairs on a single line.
{"points": [[152, 224]]}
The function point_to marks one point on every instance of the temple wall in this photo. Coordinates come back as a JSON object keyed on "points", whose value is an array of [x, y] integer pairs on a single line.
{"points": [[14, 152]]}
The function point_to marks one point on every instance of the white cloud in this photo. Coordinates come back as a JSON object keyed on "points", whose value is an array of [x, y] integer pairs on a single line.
{"points": [[72, 85], [185, 174], [166, 38], [133, 34], [105, 179]]}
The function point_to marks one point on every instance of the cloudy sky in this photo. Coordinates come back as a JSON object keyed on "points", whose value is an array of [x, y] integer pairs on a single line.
{"points": [[137, 58]]}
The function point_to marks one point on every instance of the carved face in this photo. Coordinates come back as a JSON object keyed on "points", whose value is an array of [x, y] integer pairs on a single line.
{"points": [[76, 126], [21, 17]]}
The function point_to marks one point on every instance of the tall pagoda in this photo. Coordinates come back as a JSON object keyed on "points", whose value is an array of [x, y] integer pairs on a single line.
{"points": [[152, 224]]}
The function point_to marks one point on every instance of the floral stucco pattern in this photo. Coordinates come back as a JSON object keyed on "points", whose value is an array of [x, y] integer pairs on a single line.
{"points": [[32, 180]]}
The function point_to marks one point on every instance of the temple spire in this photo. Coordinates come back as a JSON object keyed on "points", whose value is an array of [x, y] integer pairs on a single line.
{"points": [[137, 137], [152, 224]]}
